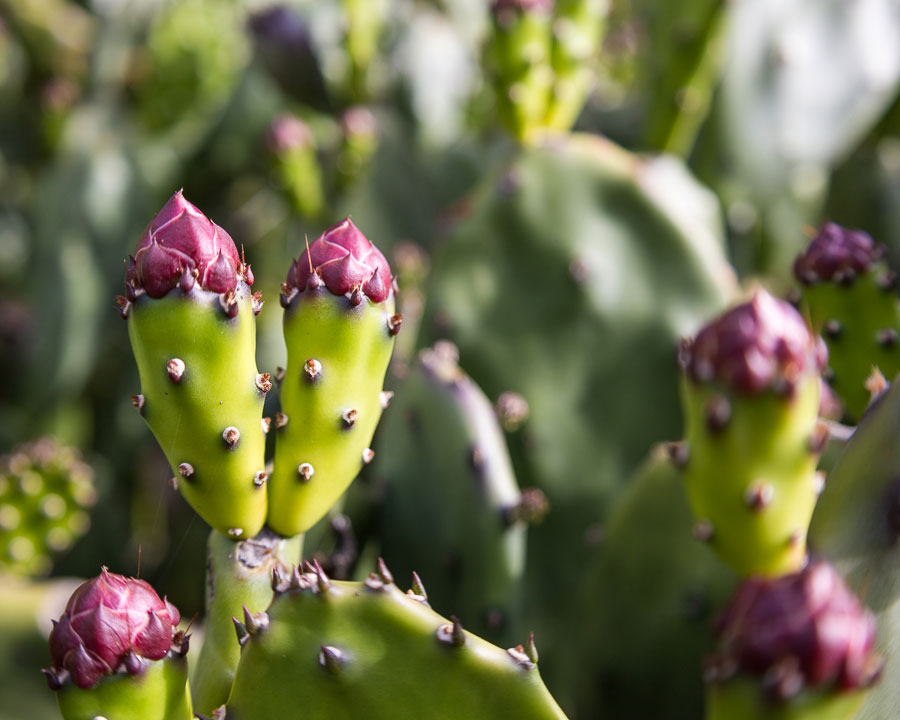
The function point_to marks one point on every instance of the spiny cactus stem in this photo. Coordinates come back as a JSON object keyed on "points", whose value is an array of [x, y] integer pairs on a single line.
{"points": [[417, 592], [175, 369], [386, 577], [521, 657], [452, 633], [531, 649]]}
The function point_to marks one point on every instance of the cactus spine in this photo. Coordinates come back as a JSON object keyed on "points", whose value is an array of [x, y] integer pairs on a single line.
{"points": [[191, 322], [339, 327]]}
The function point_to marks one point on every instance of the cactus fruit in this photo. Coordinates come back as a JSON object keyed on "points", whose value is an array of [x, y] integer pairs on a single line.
{"points": [[850, 294], [291, 144], [448, 477], [45, 493], [116, 653], [191, 322], [339, 327], [347, 650], [646, 600], [238, 576], [800, 646], [751, 399]]}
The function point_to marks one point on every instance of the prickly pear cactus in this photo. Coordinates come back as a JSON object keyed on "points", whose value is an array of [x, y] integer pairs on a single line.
{"points": [[647, 598], [346, 650], [850, 294], [292, 147], [45, 494], [191, 321], [531, 287], [751, 401], [238, 576], [339, 327], [448, 477]]}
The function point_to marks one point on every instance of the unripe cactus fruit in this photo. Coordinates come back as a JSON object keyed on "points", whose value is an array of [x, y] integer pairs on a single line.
{"points": [[751, 395], [343, 651], [116, 653], [339, 327], [850, 294], [797, 646], [191, 321]]}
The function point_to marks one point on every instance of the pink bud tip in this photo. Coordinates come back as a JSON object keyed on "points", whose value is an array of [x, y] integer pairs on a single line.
{"points": [[837, 254], [344, 259], [108, 622], [179, 239]]}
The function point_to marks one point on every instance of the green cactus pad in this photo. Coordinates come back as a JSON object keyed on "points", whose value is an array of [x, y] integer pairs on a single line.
{"points": [[208, 420], [367, 650], [238, 575], [449, 478], [752, 482], [742, 699], [45, 494], [330, 402], [159, 692]]}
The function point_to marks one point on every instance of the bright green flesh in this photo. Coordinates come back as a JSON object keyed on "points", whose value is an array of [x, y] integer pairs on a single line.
{"points": [[743, 700], [766, 441], [238, 574], [159, 692], [862, 309], [395, 666], [218, 390], [353, 346], [471, 561]]}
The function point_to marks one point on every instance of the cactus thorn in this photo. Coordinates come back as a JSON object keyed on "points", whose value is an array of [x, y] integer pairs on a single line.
{"points": [[187, 280], [231, 435], [331, 658], [355, 296], [235, 532], [451, 633], [220, 713], [832, 329], [887, 281], [384, 398], [819, 438], [718, 413], [759, 496], [229, 303], [138, 402], [312, 368], [257, 302], [288, 293], [886, 338], [531, 649], [264, 382], [265, 424], [322, 579], [349, 417], [55, 678], [255, 623], [280, 581], [298, 580], [367, 455], [876, 384], [259, 479], [305, 471], [185, 469], [124, 306], [279, 374], [417, 592], [394, 322], [241, 631], [133, 664], [386, 577], [280, 420], [704, 531], [521, 657], [678, 453], [175, 368]]}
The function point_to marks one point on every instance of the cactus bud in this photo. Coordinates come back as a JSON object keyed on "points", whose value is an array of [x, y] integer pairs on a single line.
{"points": [[837, 254]]}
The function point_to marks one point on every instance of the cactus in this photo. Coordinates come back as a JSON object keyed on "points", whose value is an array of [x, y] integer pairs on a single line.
{"points": [[850, 294], [449, 478], [238, 576], [191, 322], [646, 600], [799, 647], [751, 401], [339, 327], [45, 493], [348, 650], [115, 653], [292, 147]]}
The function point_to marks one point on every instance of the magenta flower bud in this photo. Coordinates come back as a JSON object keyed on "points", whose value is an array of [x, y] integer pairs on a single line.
{"points": [[182, 239], [763, 343], [286, 133], [109, 624], [806, 629], [837, 255], [343, 259]]}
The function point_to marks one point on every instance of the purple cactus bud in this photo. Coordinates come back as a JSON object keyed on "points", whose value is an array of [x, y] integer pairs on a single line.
{"points": [[286, 133], [502, 7], [837, 255], [179, 242], [110, 622], [344, 260], [763, 343], [806, 629]]}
